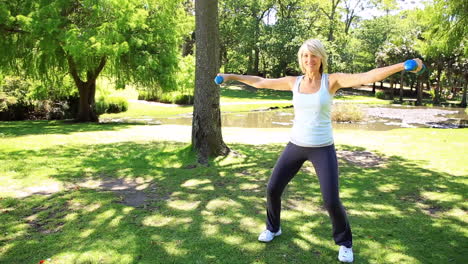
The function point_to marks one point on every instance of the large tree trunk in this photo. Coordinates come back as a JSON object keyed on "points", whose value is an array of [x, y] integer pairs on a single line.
{"points": [[207, 139], [87, 90], [87, 109]]}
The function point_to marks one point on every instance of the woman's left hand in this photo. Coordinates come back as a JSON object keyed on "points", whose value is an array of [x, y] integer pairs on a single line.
{"points": [[420, 65]]}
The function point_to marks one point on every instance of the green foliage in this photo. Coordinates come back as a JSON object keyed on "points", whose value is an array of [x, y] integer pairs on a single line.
{"points": [[111, 105], [380, 95], [185, 81], [185, 76], [21, 99], [167, 97], [6, 101], [138, 41], [16, 87]]}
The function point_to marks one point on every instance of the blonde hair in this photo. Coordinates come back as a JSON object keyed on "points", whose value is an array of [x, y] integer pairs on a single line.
{"points": [[315, 47]]}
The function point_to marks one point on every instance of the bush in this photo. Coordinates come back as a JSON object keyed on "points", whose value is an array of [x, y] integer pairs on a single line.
{"points": [[183, 99], [380, 95], [12, 109], [111, 105], [347, 113], [29, 100], [6, 101], [167, 98], [16, 87]]}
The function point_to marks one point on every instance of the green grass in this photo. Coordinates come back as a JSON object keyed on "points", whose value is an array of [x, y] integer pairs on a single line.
{"points": [[362, 99], [411, 209]]}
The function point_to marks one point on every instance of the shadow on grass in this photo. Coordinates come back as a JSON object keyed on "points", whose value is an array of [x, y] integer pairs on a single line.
{"points": [[24, 128], [214, 214]]}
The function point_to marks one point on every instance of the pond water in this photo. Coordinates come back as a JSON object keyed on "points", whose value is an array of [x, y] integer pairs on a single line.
{"points": [[379, 118]]}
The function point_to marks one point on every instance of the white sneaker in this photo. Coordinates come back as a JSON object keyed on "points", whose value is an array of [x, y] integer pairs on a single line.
{"points": [[345, 254], [267, 235]]}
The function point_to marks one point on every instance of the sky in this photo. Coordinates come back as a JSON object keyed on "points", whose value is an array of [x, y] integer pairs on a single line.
{"points": [[368, 13]]}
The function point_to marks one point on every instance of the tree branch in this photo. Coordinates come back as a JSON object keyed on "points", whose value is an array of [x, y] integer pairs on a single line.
{"points": [[74, 71], [12, 30], [101, 65]]}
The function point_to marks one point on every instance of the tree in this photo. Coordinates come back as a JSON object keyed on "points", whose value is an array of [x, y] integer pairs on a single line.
{"points": [[207, 138], [331, 11], [132, 41], [443, 40], [241, 25]]}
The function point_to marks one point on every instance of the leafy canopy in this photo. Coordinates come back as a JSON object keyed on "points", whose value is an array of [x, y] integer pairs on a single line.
{"points": [[139, 40]]}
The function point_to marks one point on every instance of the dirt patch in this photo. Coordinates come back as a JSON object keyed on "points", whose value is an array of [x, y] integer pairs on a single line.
{"points": [[364, 159], [132, 192], [45, 225]]}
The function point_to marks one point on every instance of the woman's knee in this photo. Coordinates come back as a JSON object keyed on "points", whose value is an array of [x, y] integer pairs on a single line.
{"points": [[274, 190], [332, 204]]}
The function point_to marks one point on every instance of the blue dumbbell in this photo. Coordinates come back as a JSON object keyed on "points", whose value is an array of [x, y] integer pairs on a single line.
{"points": [[411, 65], [219, 79]]}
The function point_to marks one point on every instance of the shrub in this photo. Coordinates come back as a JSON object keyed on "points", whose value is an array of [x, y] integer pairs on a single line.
{"points": [[117, 105], [183, 99], [147, 95], [347, 113], [16, 87], [111, 105], [21, 100], [380, 95]]}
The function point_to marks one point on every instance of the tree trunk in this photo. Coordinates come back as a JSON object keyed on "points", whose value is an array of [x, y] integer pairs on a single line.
{"points": [[419, 90], [373, 88], [463, 101], [256, 60], [87, 109], [401, 86], [392, 90], [87, 90], [207, 139], [437, 91]]}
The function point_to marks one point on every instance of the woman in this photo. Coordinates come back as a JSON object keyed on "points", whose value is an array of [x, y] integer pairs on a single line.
{"points": [[311, 135]]}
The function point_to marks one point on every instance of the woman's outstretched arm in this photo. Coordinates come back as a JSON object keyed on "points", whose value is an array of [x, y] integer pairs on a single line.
{"points": [[342, 80], [285, 83]]}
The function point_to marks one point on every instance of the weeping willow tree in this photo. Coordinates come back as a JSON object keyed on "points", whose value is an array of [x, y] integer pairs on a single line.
{"points": [[134, 41]]}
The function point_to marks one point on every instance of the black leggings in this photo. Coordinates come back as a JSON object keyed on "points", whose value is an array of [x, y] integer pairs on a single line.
{"points": [[326, 166]]}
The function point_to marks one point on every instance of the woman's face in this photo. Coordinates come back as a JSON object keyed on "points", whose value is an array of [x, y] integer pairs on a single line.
{"points": [[311, 62]]}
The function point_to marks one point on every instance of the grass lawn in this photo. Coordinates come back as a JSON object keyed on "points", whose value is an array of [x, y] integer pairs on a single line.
{"points": [[409, 208]]}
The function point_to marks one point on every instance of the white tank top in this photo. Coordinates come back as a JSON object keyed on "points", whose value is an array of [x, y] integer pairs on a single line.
{"points": [[312, 116]]}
